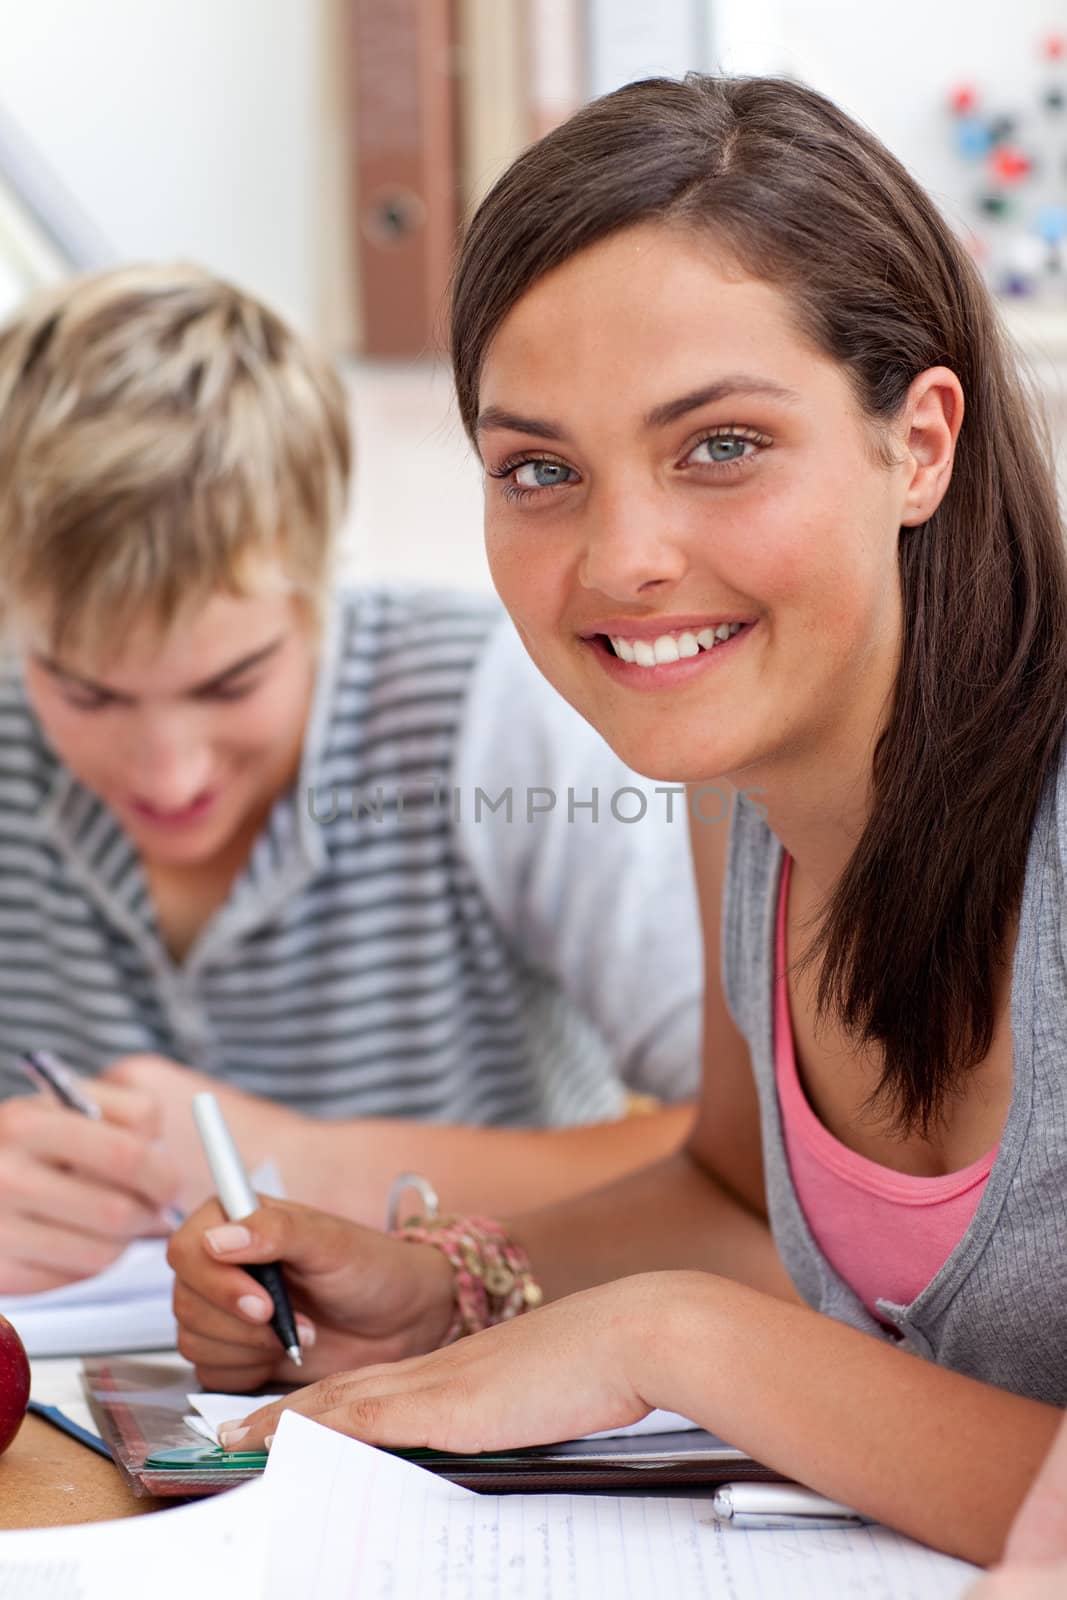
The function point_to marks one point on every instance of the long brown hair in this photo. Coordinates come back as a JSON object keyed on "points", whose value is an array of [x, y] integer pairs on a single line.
{"points": [[803, 197]]}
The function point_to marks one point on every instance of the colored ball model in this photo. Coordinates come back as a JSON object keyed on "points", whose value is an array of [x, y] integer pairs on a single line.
{"points": [[14, 1383]]}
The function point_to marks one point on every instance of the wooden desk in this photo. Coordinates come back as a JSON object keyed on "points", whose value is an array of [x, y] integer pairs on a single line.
{"points": [[47, 1478]]}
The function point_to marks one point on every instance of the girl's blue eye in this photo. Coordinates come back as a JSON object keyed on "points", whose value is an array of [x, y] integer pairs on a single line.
{"points": [[724, 447], [542, 474]]}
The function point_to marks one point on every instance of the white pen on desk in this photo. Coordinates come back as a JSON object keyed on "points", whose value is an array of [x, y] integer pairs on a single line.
{"points": [[46, 1071], [780, 1505]]}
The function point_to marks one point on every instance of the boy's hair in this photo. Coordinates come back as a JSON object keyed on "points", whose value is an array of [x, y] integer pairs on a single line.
{"points": [[794, 192], [163, 437]]}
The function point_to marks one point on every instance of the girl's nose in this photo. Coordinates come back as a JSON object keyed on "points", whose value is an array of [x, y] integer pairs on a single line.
{"points": [[632, 548]]}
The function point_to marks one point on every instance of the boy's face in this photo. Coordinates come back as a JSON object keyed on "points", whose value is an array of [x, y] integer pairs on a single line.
{"points": [[188, 736]]}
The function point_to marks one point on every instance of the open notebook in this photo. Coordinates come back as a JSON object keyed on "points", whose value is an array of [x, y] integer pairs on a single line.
{"points": [[125, 1307], [335, 1517]]}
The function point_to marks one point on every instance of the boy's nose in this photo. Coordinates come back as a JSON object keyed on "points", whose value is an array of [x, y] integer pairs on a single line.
{"points": [[167, 773]]}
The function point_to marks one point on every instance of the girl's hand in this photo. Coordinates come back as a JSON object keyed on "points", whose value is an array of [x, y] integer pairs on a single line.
{"points": [[552, 1374], [1022, 1583], [360, 1296]]}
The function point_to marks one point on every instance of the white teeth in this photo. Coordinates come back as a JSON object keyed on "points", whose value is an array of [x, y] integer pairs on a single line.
{"points": [[667, 648]]}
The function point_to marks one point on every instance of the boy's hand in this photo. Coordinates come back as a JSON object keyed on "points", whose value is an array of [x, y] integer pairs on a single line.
{"points": [[261, 1129], [360, 1296], [74, 1191]]}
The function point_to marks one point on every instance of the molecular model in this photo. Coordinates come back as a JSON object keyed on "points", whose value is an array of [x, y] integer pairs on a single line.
{"points": [[1018, 153]]}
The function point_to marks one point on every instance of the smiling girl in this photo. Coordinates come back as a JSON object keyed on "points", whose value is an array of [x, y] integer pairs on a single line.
{"points": [[767, 504]]}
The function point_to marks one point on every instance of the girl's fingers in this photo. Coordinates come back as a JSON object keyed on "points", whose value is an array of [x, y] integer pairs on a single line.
{"points": [[203, 1319], [381, 1405]]}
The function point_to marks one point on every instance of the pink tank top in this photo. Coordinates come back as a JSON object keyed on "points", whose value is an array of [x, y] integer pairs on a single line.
{"points": [[886, 1233]]}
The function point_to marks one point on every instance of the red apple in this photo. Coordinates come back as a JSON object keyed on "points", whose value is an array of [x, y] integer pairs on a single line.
{"points": [[14, 1383]]}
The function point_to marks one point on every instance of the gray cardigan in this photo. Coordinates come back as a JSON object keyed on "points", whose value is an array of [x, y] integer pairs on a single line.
{"points": [[997, 1309]]}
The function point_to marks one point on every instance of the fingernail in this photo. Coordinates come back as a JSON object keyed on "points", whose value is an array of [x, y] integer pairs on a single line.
{"points": [[306, 1333], [231, 1433], [255, 1308], [229, 1237], [268, 1441]]}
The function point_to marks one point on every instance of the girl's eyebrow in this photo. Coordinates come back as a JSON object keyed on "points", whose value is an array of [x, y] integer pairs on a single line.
{"points": [[661, 416], [738, 383], [495, 417], [254, 659]]}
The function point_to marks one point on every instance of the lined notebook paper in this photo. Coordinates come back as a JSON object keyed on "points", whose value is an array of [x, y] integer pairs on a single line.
{"points": [[335, 1517], [361, 1525]]}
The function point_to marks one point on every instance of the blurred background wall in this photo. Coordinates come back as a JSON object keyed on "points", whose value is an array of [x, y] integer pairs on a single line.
{"points": [[232, 132]]}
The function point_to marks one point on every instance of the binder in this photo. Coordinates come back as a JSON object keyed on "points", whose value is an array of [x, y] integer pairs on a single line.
{"points": [[403, 162], [138, 1406]]}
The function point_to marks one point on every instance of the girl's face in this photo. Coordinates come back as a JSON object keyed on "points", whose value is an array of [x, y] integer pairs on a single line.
{"points": [[668, 462], [189, 736]]}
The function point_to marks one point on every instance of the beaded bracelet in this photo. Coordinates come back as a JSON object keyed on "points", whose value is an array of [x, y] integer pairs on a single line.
{"points": [[493, 1278]]}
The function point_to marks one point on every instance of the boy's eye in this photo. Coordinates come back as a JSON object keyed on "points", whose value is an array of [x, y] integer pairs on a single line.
{"points": [[227, 691], [86, 699], [542, 474]]}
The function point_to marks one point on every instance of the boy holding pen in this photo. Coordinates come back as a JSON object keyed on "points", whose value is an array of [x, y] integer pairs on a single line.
{"points": [[242, 841]]}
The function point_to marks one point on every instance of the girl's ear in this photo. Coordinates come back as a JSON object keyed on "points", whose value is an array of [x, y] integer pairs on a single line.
{"points": [[932, 416]]}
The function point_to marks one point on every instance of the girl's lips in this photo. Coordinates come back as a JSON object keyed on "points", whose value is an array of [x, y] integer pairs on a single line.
{"points": [[181, 818], [666, 674], [628, 628]]}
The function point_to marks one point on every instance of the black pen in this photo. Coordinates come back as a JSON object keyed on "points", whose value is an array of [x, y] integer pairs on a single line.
{"points": [[238, 1200], [46, 1071]]}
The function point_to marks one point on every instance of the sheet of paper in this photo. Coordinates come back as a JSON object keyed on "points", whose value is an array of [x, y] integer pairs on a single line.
{"points": [[57, 1382], [213, 1548], [125, 1307], [353, 1523], [655, 1422], [213, 1409], [83, 1318]]}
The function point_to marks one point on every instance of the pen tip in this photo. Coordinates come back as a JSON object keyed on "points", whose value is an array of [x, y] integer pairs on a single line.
{"points": [[293, 1352]]}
